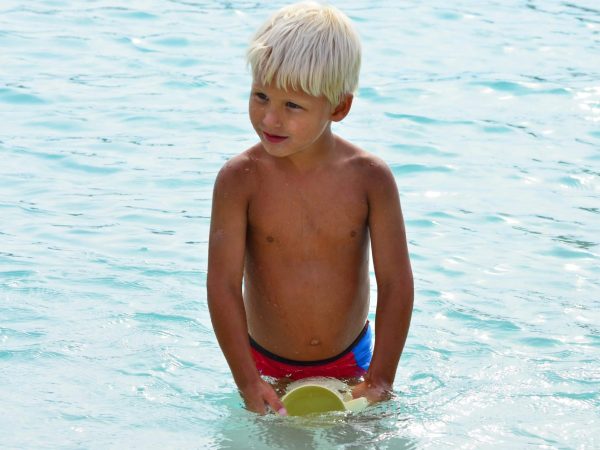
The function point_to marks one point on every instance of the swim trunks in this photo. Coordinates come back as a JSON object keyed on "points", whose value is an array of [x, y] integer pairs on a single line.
{"points": [[352, 362]]}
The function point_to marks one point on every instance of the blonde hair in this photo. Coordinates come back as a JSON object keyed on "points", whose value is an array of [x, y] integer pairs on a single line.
{"points": [[309, 46]]}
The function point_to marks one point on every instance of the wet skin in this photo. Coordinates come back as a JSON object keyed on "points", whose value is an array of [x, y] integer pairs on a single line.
{"points": [[306, 267], [292, 217]]}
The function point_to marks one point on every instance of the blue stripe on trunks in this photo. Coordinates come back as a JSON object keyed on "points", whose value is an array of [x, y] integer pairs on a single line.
{"points": [[363, 350]]}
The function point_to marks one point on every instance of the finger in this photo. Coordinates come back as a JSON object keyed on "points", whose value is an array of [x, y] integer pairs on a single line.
{"points": [[275, 403], [358, 390], [256, 406]]}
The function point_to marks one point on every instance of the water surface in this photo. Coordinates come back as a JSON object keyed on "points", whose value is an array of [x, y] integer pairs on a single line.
{"points": [[114, 120]]}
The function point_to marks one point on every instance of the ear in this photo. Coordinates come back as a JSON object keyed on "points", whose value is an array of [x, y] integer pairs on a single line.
{"points": [[343, 108]]}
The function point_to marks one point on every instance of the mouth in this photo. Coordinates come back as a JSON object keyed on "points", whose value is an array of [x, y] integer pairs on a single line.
{"points": [[273, 138]]}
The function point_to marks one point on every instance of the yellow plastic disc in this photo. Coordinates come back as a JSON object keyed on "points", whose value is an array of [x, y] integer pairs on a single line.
{"points": [[309, 399]]}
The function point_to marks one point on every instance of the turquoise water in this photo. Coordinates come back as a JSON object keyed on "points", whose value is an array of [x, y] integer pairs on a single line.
{"points": [[115, 118]]}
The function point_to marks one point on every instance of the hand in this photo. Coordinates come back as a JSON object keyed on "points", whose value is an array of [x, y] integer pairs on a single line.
{"points": [[260, 395], [374, 392]]}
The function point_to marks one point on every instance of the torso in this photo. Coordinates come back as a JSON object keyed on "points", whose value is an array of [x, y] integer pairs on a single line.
{"points": [[306, 278]]}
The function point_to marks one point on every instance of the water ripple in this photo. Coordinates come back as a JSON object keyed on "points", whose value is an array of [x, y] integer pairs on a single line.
{"points": [[115, 120]]}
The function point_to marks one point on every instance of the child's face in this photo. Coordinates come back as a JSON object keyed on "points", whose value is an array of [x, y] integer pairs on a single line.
{"points": [[288, 122]]}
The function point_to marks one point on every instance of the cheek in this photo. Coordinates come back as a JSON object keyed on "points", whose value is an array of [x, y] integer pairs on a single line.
{"points": [[254, 113]]}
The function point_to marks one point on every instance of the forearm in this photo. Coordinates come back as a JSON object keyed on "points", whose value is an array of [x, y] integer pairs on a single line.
{"points": [[229, 322], [392, 321]]}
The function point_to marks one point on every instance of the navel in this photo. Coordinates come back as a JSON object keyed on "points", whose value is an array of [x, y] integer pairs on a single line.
{"points": [[353, 233], [270, 239]]}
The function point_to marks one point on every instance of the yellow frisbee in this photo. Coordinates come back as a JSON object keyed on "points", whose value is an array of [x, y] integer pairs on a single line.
{"points": [[317, 395]]}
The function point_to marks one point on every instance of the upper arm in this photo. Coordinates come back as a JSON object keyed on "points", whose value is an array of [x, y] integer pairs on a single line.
{"points": [[387, 230], [227, 239]]}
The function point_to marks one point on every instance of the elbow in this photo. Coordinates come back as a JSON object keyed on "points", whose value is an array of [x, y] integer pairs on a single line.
{"points": [[401, 288], [218, 288]]}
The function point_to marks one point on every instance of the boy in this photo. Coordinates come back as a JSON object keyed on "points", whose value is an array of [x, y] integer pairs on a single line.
{"points": [[293, 217]]}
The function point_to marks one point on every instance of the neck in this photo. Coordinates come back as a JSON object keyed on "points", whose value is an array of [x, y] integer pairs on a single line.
{"points": [[317, 155]]}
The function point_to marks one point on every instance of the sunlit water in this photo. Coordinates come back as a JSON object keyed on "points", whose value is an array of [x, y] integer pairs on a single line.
{"points": [[115, 118]]}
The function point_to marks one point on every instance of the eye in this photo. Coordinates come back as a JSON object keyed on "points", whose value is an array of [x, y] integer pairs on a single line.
{"points": [[260, 96], [293, 105]]}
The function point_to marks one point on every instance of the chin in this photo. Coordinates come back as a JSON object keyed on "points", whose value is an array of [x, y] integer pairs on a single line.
{"points": [[276, 152]]}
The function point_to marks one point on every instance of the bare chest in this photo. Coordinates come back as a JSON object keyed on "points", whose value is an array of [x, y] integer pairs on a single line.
{"points": [[326, 214]]}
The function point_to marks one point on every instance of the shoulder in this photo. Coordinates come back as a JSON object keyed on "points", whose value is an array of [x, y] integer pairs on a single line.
{"points": [[239, 172], [239, 165], [237, 180], [370, 168]]}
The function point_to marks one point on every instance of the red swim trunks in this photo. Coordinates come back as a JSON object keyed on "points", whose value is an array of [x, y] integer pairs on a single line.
{"points": [[352, 362]]}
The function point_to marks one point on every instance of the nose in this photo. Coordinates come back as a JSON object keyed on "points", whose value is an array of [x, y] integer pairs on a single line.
{"points": [[271, 118]]}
